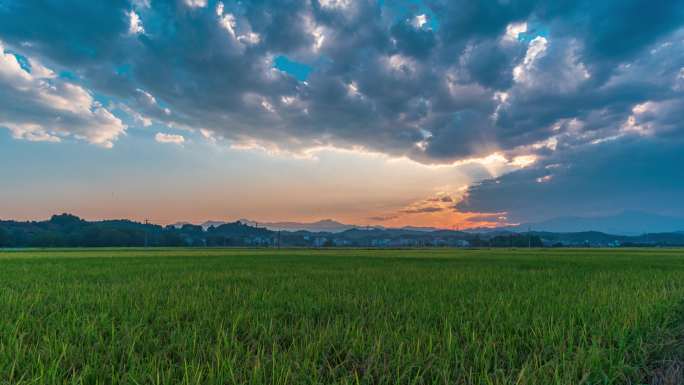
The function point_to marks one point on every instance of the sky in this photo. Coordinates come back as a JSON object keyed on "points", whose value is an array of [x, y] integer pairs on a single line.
{"points": [[445, 113]]}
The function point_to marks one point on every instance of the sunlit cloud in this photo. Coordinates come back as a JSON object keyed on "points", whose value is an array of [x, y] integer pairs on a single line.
{"points": [[169, 138]]}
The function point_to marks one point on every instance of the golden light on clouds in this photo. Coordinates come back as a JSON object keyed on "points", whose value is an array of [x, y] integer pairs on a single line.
{"points": [[438, 211]]}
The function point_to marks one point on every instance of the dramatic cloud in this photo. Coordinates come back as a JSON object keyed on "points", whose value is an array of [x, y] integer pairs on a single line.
{"points": [[435, 81], [37, 105], [601, 178]]}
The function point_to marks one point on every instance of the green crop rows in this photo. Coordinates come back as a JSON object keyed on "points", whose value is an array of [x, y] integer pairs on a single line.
{"points": [[222, 316]]}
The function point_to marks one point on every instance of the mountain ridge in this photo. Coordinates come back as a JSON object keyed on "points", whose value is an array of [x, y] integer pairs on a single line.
{"points": [[627, 222], [67, 230]]}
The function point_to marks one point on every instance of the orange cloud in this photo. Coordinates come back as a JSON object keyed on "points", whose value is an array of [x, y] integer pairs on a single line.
{"points": [[439, 212]]}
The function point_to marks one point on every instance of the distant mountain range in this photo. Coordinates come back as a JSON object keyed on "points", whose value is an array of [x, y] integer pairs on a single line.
{"points": [[326, 225], [624, 223], [67, 230], [322, 226]]}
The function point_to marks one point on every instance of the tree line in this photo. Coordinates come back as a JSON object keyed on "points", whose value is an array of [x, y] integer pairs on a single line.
{"points": [[67, 230]]}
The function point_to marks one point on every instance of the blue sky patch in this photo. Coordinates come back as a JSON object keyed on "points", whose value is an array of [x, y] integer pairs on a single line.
{"points": [[534, 30], [299, 71], [67, 75], [23, 61], [123, 70]]}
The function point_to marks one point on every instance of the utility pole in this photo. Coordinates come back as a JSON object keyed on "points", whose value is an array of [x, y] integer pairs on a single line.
{"points": [[529, 237], [147, 222]]}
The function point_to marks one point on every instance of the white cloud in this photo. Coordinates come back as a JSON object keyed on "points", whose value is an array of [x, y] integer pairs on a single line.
{"points": [[29, 131], [135, 24], [679, 80], [147, 98], [316, 31], [523, 161], [545, 178], [38, 106], [169, 138], [229, 22], [353, 90], [196, 3], [501, 99], [141, 3], [137, 116], [335, 3], [267, 105], [146, 110], [556, 68], [513, 30], [650, 118], [39, 71], [535, 50], [319, 38], [208, 135], [401, 64], [419, 21], [249, 38]]}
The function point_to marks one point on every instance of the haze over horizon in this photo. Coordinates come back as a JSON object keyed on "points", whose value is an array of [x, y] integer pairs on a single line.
{"points": [[391, 112]]}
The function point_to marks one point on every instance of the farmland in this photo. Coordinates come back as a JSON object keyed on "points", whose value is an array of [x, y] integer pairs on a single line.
{"points": [[264, 316]]}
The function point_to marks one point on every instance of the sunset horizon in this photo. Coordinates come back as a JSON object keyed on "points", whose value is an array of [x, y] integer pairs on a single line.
{"points": [[393, 113]]}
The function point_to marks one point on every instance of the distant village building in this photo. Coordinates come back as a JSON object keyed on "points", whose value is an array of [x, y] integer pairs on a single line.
{"points": [[461, 243], [320, 241], [341, 242]]}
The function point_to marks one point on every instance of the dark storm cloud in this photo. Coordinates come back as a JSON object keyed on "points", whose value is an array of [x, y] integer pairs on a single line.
{"points": [[412, 41], [71, 32], [489, 63], [643, 173], [398, 85], [435, 81], [613, 31]]}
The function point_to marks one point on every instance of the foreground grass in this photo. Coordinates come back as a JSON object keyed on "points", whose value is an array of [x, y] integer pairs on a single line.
{"points": [[336, 317]]}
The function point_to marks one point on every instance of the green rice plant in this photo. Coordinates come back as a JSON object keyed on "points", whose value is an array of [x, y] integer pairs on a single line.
{"points": [[241, 316]]}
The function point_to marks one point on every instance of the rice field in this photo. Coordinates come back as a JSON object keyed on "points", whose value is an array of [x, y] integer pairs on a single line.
{"points": [[238, 316]]}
